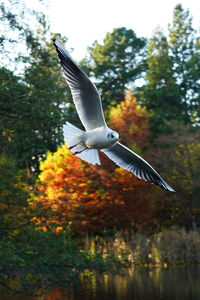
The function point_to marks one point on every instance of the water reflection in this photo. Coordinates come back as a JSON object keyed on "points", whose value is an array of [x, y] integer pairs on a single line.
{"points": [[173, 284], [156, 284], [58, 294]]}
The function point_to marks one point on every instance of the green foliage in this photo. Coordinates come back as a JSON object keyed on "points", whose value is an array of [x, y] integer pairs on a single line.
{"points": [[161, 95], [179, 156], [185, 51], [13, 109], [13, 197], [30, 123], [38, 260], [162, 249], [33, 108], [116, 64], [172, 90], [34, 246]]}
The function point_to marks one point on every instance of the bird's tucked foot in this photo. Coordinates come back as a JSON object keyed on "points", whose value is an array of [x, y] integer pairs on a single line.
{"points": [[78, 152], [74, 145], [74, 139]]}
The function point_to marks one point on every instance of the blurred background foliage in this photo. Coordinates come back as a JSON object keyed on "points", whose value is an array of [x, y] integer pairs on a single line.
{"points": [[150, 91]]}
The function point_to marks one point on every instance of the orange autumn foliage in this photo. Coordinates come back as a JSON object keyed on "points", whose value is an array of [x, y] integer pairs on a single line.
{"points": [[131, 121], [92, 198]]}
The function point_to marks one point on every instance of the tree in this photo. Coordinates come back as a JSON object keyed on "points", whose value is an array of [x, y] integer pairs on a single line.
{"points": [[131, 120], [92, 198], [17, 22], [116, 64], [13, 197], [68, 191], [178, 154], [89, 198], [47, 90], [184, 47], [26, 251], [13, 96], [172, 91], [33, 108], [161, 95]]}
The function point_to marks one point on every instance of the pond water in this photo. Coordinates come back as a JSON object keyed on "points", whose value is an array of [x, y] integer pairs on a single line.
{"points": [[155, 284]]}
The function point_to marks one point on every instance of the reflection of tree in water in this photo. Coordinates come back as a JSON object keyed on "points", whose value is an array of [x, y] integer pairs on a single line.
{"points": [[152, 284], [58, 294]]}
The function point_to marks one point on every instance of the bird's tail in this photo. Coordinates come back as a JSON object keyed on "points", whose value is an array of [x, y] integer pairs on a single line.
{"points": [[73, 138]]}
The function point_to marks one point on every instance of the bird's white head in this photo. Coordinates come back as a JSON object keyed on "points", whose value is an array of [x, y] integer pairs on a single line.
{"points": [[113, 136]]}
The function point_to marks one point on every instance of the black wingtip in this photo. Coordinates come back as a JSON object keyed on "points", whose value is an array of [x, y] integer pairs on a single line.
{"points": [[54, 40], [167, 187], [56, 44]]}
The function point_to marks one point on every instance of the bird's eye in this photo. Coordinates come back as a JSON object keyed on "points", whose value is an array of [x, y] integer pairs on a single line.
{"points": [[111, 135]]}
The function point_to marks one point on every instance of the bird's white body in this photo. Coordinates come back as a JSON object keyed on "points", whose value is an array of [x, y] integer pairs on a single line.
{"points": [[98, 138], [97, 135], [85, 144]]}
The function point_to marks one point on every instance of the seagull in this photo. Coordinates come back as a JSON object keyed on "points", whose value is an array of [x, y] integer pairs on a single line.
{"points": [[97, 135]]}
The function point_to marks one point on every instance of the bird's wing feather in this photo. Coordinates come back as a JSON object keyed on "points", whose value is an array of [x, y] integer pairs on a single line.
{"points": [[85, 95], [132, 162]]}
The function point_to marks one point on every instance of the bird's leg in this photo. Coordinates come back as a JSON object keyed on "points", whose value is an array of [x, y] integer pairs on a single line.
{"points": [[78, 152], [74, 145]]}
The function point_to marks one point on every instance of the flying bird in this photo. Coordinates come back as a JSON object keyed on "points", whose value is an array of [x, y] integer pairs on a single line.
{"points": [[97, 135]]}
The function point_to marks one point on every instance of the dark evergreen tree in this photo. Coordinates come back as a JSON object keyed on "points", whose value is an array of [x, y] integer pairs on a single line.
{"points": [[172, 91], [33, 109], [116, 64], [185, 49]]}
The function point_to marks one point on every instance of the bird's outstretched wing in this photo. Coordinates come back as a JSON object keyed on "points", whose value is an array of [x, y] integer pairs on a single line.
{"points": [[85, 95], [132, 162]]}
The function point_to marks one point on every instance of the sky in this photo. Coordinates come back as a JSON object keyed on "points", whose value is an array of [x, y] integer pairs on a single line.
{"points": [[84, 21]]}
